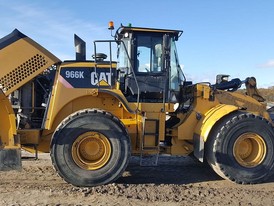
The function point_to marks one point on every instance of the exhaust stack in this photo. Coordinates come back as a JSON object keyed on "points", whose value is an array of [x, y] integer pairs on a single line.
{"points": [[80, 48]]}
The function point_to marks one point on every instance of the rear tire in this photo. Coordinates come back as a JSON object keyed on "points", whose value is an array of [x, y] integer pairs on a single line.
{"points": [[90, 147], [241, 148]]}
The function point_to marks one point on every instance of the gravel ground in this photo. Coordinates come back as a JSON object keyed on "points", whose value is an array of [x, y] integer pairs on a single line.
{"points": [[175, 181]]}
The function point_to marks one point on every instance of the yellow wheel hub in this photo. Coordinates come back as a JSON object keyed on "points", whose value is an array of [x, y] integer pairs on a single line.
{"points": [[249, 150], [91, 150]]}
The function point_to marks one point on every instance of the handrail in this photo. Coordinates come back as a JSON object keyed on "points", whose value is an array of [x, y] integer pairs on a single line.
{"points": [[131, 65]]}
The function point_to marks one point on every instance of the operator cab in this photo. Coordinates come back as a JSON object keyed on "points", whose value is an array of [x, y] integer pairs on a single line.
{"points": [[148, 64]]}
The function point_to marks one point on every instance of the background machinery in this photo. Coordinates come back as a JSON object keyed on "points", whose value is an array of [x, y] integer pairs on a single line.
{"points": [[92, 115]]}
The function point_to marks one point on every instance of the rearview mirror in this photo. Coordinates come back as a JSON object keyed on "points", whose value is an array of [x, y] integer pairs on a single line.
{"points": [[166, 42]]}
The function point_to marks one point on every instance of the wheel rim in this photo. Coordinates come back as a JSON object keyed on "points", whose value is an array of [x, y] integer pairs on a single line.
{"points": [[91, 150], [249, 150]]}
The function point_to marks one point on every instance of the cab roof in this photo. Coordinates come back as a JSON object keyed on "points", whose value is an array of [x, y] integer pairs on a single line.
{"points": [[124, 29]]}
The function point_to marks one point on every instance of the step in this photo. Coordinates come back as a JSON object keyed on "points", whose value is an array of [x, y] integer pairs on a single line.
{"points": [[149, 160]]}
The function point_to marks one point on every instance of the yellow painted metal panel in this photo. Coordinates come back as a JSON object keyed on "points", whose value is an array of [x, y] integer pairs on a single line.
{"points": [[211, 117], [29, 136], [129, 121], [22, 60], [7, 123], [105, 65]]}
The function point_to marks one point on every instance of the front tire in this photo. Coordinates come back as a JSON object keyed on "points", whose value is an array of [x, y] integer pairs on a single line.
{"points": [[241, 148], [90, 147]]}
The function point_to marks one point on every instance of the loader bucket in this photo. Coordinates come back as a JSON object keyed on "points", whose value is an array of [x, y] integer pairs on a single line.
{"points": [[21, 59], [10, 149]]}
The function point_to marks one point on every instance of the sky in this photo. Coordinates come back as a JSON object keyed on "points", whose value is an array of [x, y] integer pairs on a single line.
{"points": [[233, 37]]}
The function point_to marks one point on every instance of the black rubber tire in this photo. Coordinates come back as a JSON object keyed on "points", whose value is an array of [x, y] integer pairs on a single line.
{"points": [[79, 123], [219, 148]]}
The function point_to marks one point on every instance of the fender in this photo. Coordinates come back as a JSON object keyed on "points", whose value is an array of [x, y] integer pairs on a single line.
{"points": [[62, 107], [206, 124]]}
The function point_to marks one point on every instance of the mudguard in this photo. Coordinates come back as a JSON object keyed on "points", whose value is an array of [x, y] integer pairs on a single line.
{"points": [[206, 124]]}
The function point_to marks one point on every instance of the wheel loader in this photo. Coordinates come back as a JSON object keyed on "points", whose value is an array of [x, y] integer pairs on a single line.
{"points": [[93, 114]]}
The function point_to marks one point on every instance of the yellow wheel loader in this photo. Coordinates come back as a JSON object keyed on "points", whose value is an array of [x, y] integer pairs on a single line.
{"points": [[92, 115]]}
